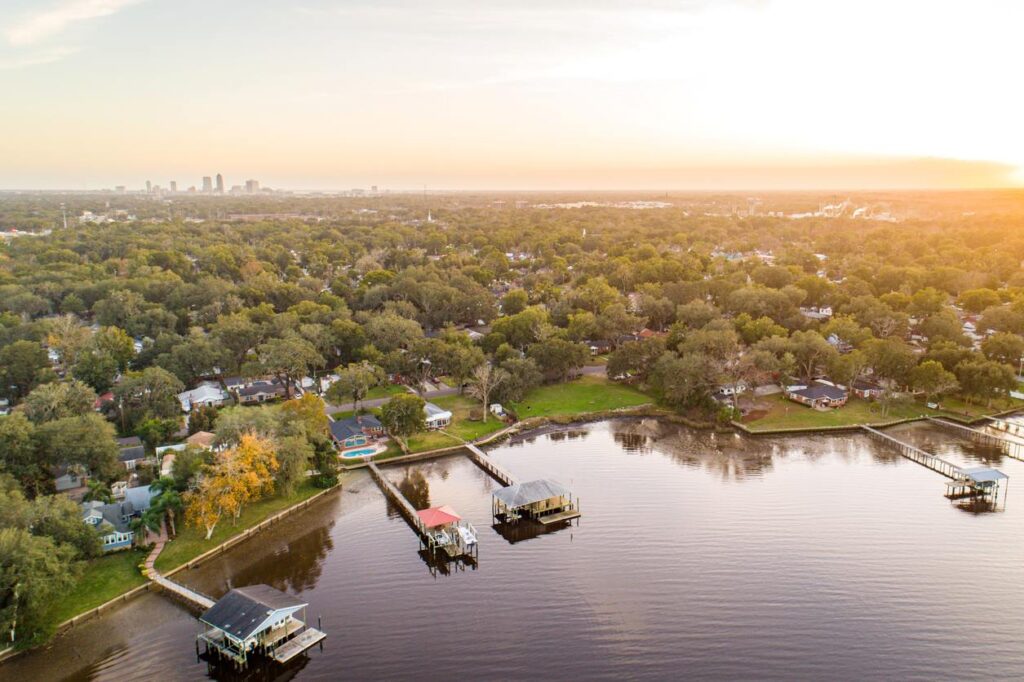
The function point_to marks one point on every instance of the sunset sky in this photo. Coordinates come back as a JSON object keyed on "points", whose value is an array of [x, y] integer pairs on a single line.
{"points": [[473, 94]]}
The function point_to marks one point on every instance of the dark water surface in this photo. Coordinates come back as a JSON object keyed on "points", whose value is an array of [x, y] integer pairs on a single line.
{"points": [[697, 556]]}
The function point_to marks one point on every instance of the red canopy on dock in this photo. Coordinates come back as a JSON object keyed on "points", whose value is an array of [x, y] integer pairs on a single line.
{"points": [[438, 516]]}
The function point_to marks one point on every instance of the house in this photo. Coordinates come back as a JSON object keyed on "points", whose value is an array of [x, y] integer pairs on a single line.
{"points": [[867, 390], [201, 439], [206, 393], [235, 383], [599, 347], [113, 521], [436, 417], [356, 431], [817, 313], [132, 457], [817, 395], [70, 480], [260, 392], [102, 401]]}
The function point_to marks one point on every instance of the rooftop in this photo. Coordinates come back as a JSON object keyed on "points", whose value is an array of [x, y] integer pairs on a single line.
{"points": [[242, 611], [522, 494]]}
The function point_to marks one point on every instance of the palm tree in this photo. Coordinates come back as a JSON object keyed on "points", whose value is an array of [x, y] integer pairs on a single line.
{"points": [[98, 492], [167, 500]]}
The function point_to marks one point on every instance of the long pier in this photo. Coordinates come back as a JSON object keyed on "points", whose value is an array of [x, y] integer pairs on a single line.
{"points": [[1005, 425], [488, 465], [918, 455], [986, 437], [391, 491]]}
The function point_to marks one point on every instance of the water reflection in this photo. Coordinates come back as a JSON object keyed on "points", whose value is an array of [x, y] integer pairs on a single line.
{"points": [[728, 455], [525, 530], [415, 488], [440, 564], [294, 568]]}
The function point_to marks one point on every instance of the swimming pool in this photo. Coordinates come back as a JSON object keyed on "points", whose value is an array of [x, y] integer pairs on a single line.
{"points": [[362, 452]]}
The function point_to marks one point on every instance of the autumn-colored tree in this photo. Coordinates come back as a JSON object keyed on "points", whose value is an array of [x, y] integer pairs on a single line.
{"points": [[305, 413]]}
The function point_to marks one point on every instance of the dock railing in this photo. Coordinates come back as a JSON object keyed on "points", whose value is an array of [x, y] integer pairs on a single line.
{"points": [[918, 455]]}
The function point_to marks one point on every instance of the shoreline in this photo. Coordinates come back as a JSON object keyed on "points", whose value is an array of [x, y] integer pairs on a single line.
{"points": [[522, 428]]}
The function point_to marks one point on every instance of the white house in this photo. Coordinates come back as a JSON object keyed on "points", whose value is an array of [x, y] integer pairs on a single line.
{"points": [[206, 393], [436, 417]]}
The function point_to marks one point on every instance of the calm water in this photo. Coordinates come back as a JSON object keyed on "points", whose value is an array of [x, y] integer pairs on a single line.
{"points": [[697, 555]]}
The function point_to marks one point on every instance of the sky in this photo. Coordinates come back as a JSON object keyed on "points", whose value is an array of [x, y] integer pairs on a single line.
{"points": [[527, 94]]}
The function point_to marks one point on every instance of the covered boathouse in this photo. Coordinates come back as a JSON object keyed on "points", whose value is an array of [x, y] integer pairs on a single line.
{"points": [[541, 500], [443, 529], [257, 622]]}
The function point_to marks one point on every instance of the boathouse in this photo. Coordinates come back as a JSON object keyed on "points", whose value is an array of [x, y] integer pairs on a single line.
{"points": [[977, 481], [257, 621], [541, 500], [444, 529]]}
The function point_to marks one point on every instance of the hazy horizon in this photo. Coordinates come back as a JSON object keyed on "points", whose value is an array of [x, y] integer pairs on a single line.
{"points": [[537, 96]]}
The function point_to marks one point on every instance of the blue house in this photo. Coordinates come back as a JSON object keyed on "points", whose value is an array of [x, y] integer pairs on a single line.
{"points": [[357, 431], [113, 521]]}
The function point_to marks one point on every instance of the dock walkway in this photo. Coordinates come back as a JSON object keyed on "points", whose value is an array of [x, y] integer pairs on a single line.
{"points": [[918, 455], [986, 437], [396, 496], [488, 465], [191, 598]]}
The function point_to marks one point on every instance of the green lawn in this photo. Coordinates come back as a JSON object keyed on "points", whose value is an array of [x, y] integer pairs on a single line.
{"points": [[786, 414], [191, 542], [586, 394], [462, 426], [430, 440], [101, 580], [385, 391]]}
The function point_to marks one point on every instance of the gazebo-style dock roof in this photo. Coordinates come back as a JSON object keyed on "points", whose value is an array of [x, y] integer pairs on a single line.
{"points": [[541, 500], [257, 620]]}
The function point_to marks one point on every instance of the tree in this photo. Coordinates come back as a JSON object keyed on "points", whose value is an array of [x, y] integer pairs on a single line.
{"points": [[636, 358], [98, 491], [932, 379], [976, 300], [35, 572], [892, 360], [153, 391], [390, 332], [558, 358], [325, 462], [294, 455], [87, 441], [1004, 347], [95, 369], [114, 343], [57, 400], [202, 418], [289, 359], [305, 416], [514, 302], [685, 381], [23, 366], [354, 382], [403, 415], [523, 377], [68, 336], [985, 379], [59, 518], [848, 368], [167, 501], [20, 456], [810, 350], [155, 431], [485, 379]]}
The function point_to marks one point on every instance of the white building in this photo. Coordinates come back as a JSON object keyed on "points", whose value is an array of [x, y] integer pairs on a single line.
{"points": [[436, 417], [206, 393]]}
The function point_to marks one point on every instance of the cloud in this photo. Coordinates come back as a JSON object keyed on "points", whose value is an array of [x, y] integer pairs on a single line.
{"points": [[35, 58], [40, 25]]}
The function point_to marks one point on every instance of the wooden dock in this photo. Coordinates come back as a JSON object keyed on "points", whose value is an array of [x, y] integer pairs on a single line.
{"points": [[986, 437], [395, 495], [295, 646], [488, 465], [918, 455], [192, 599], [568, 515]]}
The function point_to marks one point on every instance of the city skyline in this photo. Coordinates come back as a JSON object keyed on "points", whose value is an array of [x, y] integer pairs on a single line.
{"points": [[743, 94]]}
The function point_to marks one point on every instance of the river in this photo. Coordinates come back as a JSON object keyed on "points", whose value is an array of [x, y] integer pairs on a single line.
{"points": [[698, 555]]}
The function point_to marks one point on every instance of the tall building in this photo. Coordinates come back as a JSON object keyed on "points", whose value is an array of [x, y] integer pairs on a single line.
{"points": [[173, 184], [207, 184], [220, 184], [149, 186], [252, 186]]}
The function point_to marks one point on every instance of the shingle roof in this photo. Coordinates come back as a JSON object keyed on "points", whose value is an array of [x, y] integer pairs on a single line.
{"points": [[131, 454], [241, 611], [353, 426], [817, 391], [522, 494]]}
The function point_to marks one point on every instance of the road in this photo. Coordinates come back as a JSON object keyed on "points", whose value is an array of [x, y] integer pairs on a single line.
{"points": [[377, 402]]}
